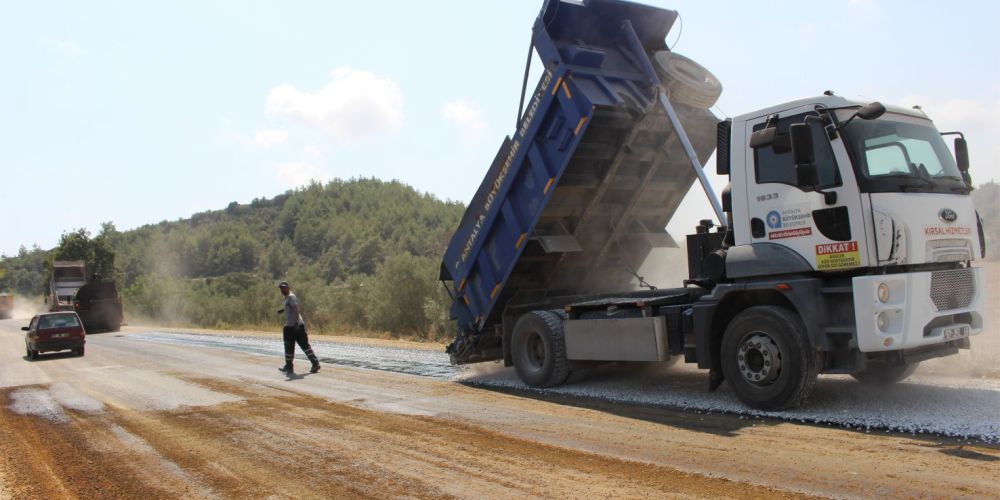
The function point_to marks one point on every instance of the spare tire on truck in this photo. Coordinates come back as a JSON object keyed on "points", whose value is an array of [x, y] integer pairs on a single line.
{"points": [[538, 348], [686, 81]]}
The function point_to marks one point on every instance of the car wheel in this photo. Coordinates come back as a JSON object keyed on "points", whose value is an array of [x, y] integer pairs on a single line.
{"points": [[767, 358], [539, 349], [877, 373]]}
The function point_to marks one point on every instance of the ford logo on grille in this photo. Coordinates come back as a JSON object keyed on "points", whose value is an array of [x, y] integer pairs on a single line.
{"points": [[947, 215]]}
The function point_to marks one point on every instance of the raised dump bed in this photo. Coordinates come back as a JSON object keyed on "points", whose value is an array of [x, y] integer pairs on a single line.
{"points": [[581, 192]]}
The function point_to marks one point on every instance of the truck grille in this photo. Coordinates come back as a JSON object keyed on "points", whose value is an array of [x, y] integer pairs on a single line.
{"points": [[952, 289]]}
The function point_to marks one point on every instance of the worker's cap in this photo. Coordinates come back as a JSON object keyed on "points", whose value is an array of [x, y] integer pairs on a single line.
{"points": [[283, 284]]}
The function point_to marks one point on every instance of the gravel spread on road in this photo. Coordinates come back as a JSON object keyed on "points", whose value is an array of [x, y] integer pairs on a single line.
{"points": [[954, 407]]}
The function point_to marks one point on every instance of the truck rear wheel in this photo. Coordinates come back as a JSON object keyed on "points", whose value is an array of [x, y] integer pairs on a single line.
{"points": [[538, 347], [767, 358], [687, 82], [877, 373]]}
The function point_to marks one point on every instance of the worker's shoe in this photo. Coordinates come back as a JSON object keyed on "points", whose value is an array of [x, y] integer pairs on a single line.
{"points": [[315, 367], [286, 369]]}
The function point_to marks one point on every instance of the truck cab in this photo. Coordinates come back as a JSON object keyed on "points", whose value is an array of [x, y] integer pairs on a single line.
{"points": [[879, 201]]}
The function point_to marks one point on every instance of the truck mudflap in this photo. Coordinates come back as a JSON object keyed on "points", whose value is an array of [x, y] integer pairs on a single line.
{"points": [[912, 310]]}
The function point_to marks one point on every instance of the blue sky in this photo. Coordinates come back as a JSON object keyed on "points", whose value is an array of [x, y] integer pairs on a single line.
{"points": [[137, 112]]}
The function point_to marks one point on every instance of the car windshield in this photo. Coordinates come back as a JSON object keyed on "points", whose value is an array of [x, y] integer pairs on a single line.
{"points": [[897, 155], [58, 321]]}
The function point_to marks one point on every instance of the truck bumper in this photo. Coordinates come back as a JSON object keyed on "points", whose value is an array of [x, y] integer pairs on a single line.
{"points": [[922, 309]]}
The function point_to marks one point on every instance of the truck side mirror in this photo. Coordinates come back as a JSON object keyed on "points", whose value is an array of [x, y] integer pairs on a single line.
{"points": [[804, 156], [763, 137], [962, 154]]}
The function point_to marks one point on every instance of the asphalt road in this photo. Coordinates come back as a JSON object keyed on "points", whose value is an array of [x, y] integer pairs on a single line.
{"points": [[148, 413]]}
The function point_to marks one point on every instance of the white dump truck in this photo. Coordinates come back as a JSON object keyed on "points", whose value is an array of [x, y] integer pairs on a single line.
{"points": [[844, 242]]}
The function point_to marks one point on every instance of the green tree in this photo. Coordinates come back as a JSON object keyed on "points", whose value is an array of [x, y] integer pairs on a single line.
{"points": [[96, 254], [399, 295]]}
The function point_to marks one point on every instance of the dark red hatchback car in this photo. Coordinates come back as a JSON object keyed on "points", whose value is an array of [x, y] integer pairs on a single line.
{"points": [[56, 331]]}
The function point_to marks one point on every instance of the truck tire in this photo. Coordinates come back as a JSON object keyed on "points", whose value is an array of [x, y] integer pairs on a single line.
{"points": [[538, 347], [686, 81], [877, 373], [767, 358]]}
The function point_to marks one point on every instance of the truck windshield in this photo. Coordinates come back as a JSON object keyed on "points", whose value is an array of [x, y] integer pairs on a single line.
{"points": [[895, 155]]}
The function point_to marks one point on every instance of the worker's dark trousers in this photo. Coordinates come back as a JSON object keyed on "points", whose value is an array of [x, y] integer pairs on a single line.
{"points": [[293, 334]]}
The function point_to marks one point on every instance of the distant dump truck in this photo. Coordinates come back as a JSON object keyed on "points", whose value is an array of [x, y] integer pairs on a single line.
{"points": [[6, 305], [99, 305], [67, 278]]}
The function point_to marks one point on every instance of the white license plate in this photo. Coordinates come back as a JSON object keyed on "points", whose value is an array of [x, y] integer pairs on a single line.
{"points": [[60, 335], [955, 332]]}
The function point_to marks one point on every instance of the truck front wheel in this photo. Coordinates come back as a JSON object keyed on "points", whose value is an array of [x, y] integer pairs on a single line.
{"points": [[767, 358], [538, 347], [878, 373]]}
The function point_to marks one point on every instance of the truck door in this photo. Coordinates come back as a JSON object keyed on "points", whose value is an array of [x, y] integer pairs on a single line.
{"points": [[827, 232]]}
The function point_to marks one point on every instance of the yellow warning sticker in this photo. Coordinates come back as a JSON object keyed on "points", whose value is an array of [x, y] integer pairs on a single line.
{"points": [[837, 255]]}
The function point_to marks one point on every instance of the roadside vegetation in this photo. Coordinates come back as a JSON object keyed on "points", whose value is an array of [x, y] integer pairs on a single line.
{"points": [[363, 256]]}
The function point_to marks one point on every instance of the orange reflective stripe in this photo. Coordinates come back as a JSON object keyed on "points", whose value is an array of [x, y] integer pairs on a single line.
{"points": [[520, 240]]}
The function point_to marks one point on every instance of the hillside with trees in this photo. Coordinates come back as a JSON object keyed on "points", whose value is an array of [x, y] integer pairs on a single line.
{"points": [[363, 255]]}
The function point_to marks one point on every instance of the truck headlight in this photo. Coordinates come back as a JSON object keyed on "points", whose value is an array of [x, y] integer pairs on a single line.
{"points": [[882, 320], [883, 292]]}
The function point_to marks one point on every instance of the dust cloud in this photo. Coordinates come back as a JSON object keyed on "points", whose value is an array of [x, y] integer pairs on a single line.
{"points": [[26, 307], [983, 360], [665, 267], [167, 306], [476, 370]]}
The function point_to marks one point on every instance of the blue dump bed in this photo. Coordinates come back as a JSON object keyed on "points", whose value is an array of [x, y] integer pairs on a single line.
{"points": [[581, 192]]}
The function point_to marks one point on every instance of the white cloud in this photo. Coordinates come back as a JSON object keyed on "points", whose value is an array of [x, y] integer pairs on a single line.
{"points": [[977, 120], [355, 105], [262, 139], [269, 137], [290, 175], [65, 48], [467, 118]]}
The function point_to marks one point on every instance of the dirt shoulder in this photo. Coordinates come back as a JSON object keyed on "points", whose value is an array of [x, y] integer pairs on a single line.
{"points": [[289, 445]]}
